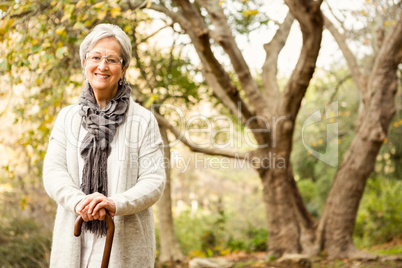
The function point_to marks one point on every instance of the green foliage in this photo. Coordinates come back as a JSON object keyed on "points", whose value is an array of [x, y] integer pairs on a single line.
{"points": [[315, 177], [314, 194], [326, 90], [189, 229], [165, 77], [255, 240], [309, 191], [207, 235], [379, 219]]}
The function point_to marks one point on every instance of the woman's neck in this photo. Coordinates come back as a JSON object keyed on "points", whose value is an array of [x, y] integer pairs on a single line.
{"points": [[102, 98]]}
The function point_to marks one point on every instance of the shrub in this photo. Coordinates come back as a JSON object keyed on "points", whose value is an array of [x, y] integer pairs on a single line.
{"points": [[206, 235], [189, 230], [254, 239], [257, 239], [379, 219]]}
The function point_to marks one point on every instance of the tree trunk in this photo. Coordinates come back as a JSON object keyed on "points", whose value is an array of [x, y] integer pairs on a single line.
{"points": [[347, 190], [169, 247], [290, 227], [284, 228], [338, 220]]}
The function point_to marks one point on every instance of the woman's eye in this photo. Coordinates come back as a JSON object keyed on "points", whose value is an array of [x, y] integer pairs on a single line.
{"points": [[112, 60], [96, 58]]}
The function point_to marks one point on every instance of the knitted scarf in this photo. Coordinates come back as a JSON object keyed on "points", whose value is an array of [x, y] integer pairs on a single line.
{"points": [[95, 148]]}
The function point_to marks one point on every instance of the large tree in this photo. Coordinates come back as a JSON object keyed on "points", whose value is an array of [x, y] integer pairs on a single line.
{"points": [[290, 226]]}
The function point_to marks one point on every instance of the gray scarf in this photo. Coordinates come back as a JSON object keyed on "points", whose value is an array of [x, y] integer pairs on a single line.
{"points": [[95, 148]]}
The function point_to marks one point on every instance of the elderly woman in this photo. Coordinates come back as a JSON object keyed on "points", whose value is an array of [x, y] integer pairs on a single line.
{"points": [[104, 156]]}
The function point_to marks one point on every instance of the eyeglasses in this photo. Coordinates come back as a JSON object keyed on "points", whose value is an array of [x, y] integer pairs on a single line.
{"points": [[97, 58]]}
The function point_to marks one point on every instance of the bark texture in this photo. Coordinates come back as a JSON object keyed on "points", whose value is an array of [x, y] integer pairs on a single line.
{"points": [[170, 251]]}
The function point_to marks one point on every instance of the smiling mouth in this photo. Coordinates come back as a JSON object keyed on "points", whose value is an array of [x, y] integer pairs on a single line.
{"points": [[102, 76]]}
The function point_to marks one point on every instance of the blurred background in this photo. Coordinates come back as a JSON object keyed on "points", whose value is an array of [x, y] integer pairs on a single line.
{"points": [[216, 202]]}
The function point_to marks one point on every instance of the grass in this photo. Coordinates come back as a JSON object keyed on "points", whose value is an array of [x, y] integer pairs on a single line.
{"points": [[387, 251]]}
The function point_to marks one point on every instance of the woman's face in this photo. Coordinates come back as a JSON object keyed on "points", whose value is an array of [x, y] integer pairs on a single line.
{"points": [[103, 76]]}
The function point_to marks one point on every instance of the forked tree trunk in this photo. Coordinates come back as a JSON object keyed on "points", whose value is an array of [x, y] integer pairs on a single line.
{"points": [[170, 251], [290, 227]]}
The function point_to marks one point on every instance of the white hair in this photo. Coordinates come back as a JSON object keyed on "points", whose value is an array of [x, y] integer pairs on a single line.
{"points": [[106, 30]]}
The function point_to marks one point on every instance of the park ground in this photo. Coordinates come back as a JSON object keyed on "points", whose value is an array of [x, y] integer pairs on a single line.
{"points": [[390, 257]]}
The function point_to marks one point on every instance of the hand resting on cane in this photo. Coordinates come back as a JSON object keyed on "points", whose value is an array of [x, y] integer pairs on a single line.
{"points": [[95, 206]]}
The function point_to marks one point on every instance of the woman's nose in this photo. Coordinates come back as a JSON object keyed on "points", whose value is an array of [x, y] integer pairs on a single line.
{"points": [[102, 65]]}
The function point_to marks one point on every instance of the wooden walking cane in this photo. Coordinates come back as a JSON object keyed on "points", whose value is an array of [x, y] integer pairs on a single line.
{"points": [[109, 237]]}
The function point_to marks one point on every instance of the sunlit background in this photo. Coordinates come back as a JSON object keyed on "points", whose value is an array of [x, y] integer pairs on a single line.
{"points": [[217, 202]]}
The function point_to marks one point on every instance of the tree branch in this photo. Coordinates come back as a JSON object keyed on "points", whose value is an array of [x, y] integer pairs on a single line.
{"points": [[136, 5], [223, 36], [182, 137], [310, 18], [199, 35], [349, 56], [210, 78], [338, 85], [138, 61], [171, 58], [143, 40], [176, 17], [220, 93], [341, 22], [165, 123], [270, 67]]}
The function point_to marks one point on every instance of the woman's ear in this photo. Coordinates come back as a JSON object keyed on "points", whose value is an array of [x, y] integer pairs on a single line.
{"points": [[83, 62]]}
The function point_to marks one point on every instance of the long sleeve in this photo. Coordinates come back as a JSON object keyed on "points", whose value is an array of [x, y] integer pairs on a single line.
{"points": [[151, 174], [57, 180]]}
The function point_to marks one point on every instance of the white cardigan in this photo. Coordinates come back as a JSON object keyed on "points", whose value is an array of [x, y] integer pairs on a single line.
{"points": [[141, 181]]}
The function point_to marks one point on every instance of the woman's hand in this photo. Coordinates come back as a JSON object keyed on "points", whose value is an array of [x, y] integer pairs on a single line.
{"points": [[86, 216], [94, 207]]}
